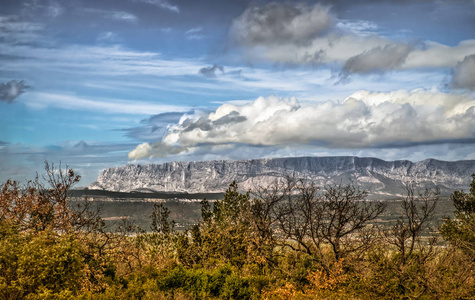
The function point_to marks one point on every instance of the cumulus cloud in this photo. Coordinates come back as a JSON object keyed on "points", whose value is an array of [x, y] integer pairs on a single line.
{"points": [[313, 35], [275, 23], [300, 34], [464, 73], [364, 119], [211, 71], [12, 89], [155, 150], [438, 55], [378, 59]]}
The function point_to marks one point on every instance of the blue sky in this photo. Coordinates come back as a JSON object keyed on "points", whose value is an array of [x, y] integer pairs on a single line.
{"points": [[98, 84]]}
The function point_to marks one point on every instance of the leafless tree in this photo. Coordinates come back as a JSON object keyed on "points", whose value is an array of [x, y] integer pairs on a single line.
{"points": [[306, 219], [413, 223]]}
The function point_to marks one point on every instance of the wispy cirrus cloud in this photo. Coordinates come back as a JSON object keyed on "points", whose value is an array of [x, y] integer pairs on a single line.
{"points": [[51, 9], [123, 16], [41, 100], [14, 30], [162, 4], [108, 36], [109, 14], [195, 33], [98, 60], [113, 67]]}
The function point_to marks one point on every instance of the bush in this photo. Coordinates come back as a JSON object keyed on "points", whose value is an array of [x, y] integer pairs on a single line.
{"points": [[460, 231], [46, 263]]}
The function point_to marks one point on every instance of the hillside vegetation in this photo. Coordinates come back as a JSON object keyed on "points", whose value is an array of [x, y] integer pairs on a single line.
{"points": [[287, 240]]}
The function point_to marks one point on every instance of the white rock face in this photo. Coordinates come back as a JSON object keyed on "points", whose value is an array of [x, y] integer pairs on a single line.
{"points": [[379, 176]]}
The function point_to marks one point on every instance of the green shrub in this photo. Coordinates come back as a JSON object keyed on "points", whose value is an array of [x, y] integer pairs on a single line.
{"points": [[47, 264], [460, 231]]}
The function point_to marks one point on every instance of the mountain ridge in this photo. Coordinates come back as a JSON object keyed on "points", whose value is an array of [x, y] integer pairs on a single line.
{"points": [[379, 176]]}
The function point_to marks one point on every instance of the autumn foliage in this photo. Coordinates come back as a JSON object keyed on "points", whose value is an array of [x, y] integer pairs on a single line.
{"points": [[289, 240]]}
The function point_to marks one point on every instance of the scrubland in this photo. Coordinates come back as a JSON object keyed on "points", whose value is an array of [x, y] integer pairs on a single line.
{"points": [[289, 240]]}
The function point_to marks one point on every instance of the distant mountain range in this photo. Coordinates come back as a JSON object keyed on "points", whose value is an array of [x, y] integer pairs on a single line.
{"points": [[381, 178]]}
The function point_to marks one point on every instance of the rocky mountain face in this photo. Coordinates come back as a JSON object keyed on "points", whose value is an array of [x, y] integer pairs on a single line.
{"points": [[382, 178]]}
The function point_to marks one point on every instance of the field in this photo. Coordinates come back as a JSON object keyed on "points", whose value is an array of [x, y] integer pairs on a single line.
{"points": [[185, 209]]}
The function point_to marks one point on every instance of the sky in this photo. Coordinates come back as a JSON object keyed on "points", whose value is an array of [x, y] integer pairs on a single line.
{"points": [[94, 84]]}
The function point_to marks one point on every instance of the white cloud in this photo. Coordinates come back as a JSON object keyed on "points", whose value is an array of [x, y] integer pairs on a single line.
{"points": [[162, 4], [332, 48], [34, 7], [107, 37], [156, 150], [111, 67], [281, 23], [378, 59], [445, 151], [96, 60], [303, 35], [195, 33], [359, 27], [114, 14], [194, 30], [41, 100], [123, 16], [13, 30], [299, 34], [439, 55], [54, 9], [364, 119], [140, 151]]}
